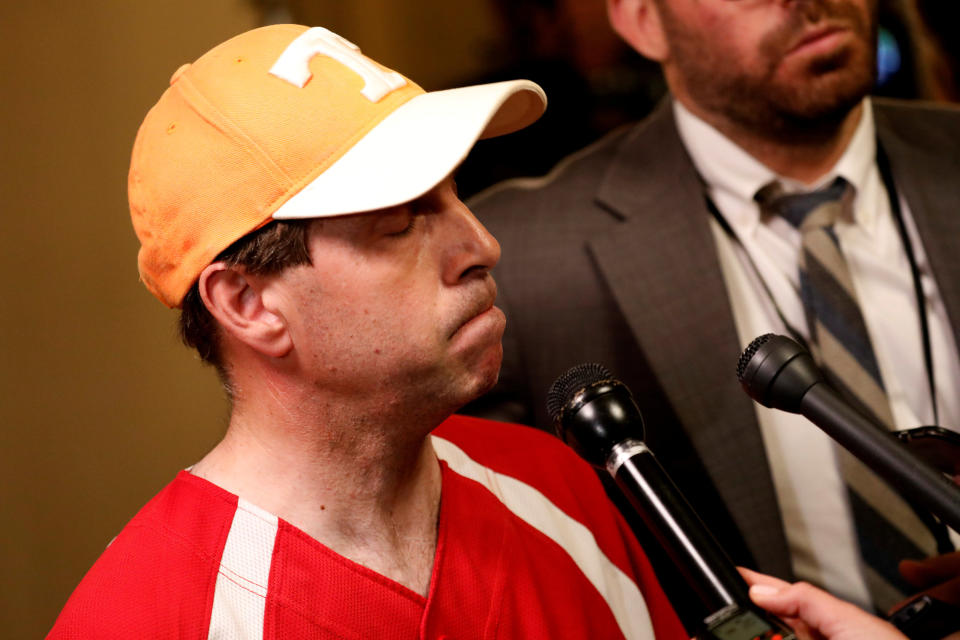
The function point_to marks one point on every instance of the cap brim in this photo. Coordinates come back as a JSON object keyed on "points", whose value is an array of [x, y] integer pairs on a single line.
{"points": [[416, 147]]}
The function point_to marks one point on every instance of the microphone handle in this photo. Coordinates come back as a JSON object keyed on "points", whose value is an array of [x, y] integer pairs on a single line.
{"points": [[677, 527], [883, 453]]}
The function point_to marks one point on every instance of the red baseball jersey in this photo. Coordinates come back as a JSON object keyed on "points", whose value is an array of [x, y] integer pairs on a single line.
{"points": [[528, 547]]}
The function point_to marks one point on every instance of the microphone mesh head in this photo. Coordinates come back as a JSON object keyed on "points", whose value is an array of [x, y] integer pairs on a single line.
{"points": [[575, 379], [751, 349]]}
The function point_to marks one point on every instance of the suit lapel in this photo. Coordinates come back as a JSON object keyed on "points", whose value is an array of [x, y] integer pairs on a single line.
{"points": [[661, 265], [927, 179]]}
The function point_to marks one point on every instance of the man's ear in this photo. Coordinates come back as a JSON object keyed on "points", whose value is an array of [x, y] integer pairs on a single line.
{"points": [[638, 23], [237, 302]]}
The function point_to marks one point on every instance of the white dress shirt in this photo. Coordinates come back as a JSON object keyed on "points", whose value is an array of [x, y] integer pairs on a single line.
{"points": [[808, 483]]}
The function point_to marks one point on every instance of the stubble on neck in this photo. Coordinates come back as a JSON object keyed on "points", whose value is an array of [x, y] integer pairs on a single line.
{"points": [[803, 152], [367, 489]]}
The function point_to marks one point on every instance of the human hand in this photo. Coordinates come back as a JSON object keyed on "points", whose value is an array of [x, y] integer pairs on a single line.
{"points": [[814, 614], [937, 577]]}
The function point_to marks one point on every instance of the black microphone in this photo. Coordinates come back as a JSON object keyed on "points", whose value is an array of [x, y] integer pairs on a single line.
{"points": [[597, 416], [778, 373]]}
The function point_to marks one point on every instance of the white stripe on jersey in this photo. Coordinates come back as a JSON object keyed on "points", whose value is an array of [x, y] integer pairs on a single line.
{"points": [[621, 593], [240, 595]]}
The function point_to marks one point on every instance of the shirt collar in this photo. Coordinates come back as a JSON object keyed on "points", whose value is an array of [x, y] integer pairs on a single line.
{"points": [[731, 172]]}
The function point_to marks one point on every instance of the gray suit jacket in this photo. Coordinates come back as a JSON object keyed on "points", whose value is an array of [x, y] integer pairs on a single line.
{"points": [[610, 259]]}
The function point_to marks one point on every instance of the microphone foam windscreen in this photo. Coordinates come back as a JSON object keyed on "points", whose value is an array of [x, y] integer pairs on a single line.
{"points": [[749, 352], [574, 380]]}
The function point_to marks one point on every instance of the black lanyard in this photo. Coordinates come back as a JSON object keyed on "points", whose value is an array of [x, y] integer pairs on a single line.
{"points": [[887, 176]]}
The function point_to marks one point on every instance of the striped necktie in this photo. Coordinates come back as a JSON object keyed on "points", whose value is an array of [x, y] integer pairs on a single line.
{"points": [[888, 529]]}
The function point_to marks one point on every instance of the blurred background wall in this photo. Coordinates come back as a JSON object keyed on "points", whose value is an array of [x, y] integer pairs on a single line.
{"points": [[99, 404]]}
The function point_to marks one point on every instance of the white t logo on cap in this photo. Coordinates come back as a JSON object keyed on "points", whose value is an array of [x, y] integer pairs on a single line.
{"points": [[293, 64]]}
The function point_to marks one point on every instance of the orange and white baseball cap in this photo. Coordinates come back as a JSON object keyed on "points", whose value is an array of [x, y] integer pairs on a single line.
{"points": [[287, 122]]}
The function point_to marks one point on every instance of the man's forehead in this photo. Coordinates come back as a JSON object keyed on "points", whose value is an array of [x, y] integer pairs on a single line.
{"points": [[354, 221]]}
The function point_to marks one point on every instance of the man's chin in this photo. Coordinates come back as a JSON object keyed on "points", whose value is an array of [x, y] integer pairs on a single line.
{"points": [[806, 112], [489, 370], [827, 87], [483, 375], [827, 110]]}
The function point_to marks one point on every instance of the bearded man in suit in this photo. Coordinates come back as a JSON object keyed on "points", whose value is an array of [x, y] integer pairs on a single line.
{"points": [[651, 252]]}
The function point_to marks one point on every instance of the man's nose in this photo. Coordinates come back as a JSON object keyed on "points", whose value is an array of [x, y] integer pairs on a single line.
{"points": [[472, 249]]}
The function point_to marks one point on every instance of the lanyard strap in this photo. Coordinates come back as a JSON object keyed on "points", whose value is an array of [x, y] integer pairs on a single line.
{"points": [[883, 163], [887, 176]]}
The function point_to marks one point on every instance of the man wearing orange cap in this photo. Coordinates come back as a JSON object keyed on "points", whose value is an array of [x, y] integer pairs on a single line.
{"points": [[295, 199]]}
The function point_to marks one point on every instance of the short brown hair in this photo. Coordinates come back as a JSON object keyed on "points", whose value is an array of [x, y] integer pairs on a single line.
{"points": [[271, 249]]}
